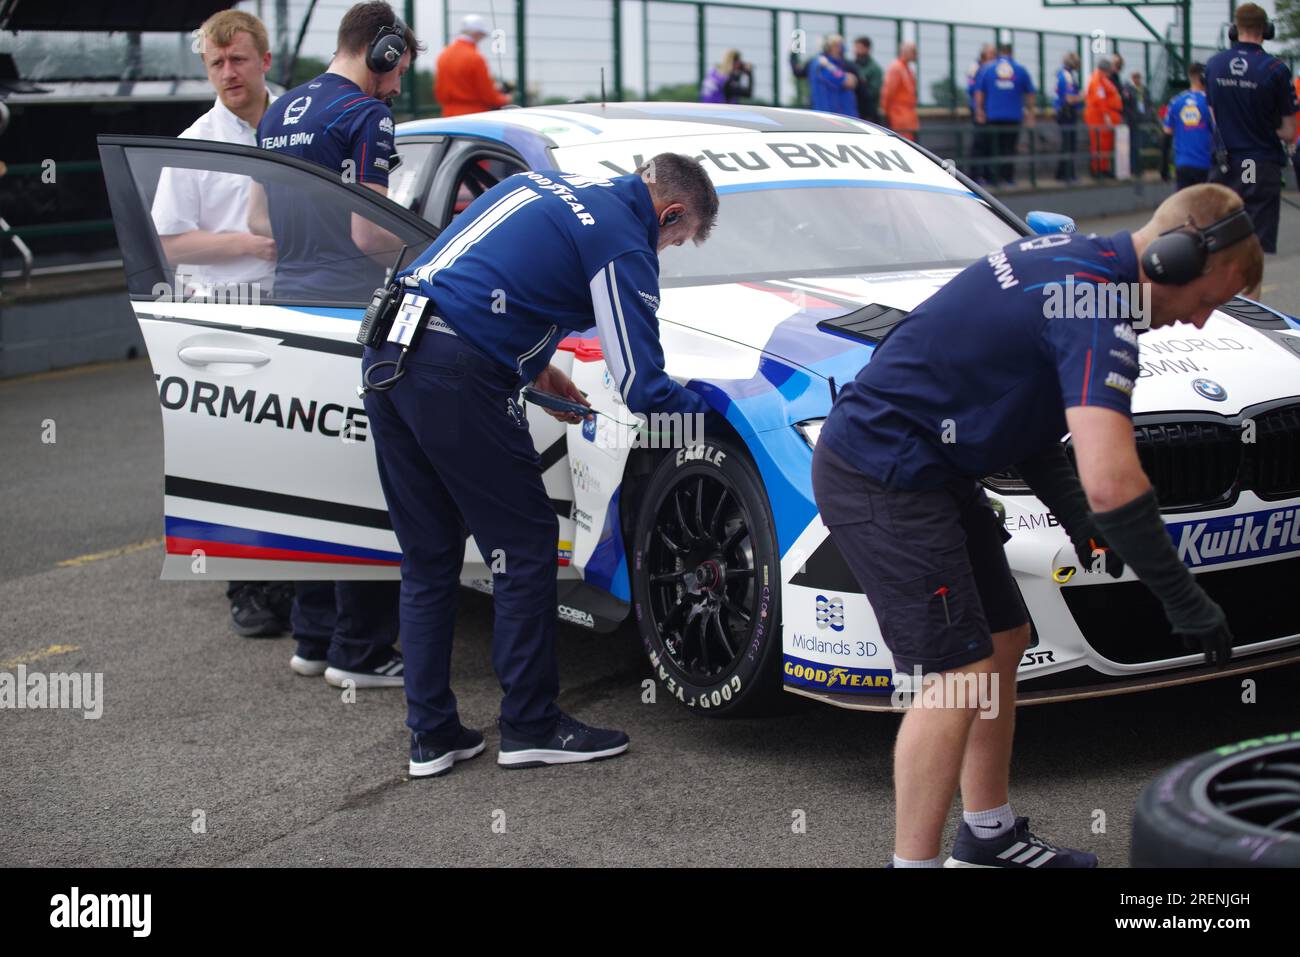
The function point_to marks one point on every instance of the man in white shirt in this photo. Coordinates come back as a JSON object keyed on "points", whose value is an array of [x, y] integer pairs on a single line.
{"points": [[202, 222], [202, 216]]}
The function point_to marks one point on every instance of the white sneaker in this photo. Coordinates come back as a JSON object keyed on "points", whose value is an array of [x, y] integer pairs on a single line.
{"points": [[308, 667]]}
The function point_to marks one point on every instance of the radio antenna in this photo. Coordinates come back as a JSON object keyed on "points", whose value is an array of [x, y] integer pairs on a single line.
{"points": [[602, 87]]}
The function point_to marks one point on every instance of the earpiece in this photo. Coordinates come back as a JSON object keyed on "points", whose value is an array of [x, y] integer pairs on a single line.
{"points": [[1177, 257], [387, 48], [669, 220]]}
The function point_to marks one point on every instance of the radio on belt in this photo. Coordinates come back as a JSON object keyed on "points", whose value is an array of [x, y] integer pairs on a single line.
{"points": [[398, 315], [383, 307]]}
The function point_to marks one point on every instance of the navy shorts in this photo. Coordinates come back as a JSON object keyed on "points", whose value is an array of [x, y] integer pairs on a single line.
{"points": [[931, 563]]}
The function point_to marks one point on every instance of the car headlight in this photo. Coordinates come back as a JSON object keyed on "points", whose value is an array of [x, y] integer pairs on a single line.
{"points": [[810, 429]]}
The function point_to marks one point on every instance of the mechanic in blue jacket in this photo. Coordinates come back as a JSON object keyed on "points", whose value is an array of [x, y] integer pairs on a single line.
{"points": [[538, 256], [983, 376]]}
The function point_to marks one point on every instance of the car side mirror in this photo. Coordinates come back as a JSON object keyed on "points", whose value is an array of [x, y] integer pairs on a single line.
{"points": [[1043, 223]]}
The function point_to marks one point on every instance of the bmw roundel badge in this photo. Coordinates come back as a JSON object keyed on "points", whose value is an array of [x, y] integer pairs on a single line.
{"points": [[1210, 389]]}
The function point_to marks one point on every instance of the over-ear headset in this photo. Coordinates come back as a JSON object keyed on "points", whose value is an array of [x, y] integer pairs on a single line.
{"points": [[387, 48], [1270, 31], [1177, 257]]}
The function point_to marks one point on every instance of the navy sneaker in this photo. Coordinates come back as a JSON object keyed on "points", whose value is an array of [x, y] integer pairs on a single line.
{"points": [[570, 742], [386, 674], [431, 758], [1018, 847]]}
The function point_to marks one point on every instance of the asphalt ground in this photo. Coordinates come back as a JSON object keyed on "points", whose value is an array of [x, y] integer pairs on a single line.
{"points": [[210, 751]]}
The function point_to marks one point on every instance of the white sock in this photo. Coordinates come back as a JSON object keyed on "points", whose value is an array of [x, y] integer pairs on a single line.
{"points": [[991, 823], [904, 862]]}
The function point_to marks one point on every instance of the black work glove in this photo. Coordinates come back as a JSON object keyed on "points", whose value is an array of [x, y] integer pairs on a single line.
{"points": [[1052, 478], [1094, 554], [1215, 642], [1138, 532]]}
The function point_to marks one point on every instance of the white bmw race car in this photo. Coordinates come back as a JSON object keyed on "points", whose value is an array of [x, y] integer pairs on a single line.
{"points": [[830, 231]]}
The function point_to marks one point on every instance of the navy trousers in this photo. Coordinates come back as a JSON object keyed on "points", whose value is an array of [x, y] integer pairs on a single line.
{"points": [[455, 456], [352, 624]]}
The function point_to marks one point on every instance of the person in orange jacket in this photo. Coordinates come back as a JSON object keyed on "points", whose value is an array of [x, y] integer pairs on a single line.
{"points": [[1103, 110], [461, 82], [898, 96]]}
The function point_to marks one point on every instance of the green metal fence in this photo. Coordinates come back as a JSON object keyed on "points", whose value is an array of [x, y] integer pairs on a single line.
{"points": [[554, 50]]}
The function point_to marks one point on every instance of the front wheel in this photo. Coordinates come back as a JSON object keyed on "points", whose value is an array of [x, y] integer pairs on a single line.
{"points": [[706, 584]]}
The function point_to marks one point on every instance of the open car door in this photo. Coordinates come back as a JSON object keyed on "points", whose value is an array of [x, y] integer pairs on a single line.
{"points": [[270, 467]]}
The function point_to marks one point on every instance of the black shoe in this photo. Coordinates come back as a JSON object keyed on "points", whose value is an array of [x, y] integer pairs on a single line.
{"points": [[430, 758], [570, 742], [279, 596], [251, 614]]}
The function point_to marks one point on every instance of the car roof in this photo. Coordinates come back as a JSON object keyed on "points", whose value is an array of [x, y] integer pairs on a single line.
{"points": [[533, 130]]}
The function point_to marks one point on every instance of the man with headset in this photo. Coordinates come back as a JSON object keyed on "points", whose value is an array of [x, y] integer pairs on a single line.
{"points": [[1253, 105], [897, 471], [539, 255], [341, 120]]}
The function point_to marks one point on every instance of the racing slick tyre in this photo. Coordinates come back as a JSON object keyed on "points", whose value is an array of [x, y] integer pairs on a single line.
{"points": [[706, 582], [1235, 806]]}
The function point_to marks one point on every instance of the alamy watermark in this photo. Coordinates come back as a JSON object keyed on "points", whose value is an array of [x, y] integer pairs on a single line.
{"points": [[1086, 299], [659, 430], [949, 689], [75, 691]]}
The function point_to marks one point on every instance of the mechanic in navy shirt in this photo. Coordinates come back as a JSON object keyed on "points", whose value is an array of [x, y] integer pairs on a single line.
{"points": [[1253, 104], [985, 375], [340, 120], [1187, 120], [1004, 98], [538, 256], [346, 629]]}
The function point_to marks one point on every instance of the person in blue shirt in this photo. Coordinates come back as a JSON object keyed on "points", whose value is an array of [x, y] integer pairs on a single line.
{"points": [[340, 120], [986, 375], [1004, 98], [1253, 104], [345, 630], [540, 255], [832, 80], [1065, 101], [1187, 120]]}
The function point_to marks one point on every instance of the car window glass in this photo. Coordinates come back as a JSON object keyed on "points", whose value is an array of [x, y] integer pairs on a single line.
{"points": [[229, 227], [405, 179], [476, 177], [836, 230]]}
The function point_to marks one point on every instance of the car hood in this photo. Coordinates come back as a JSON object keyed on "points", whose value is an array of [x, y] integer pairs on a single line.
{"points": [[1222, 368]]}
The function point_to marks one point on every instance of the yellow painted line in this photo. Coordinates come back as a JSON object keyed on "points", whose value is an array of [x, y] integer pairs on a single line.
{"points": [[70, 372], [29, 657], [111, 553]]}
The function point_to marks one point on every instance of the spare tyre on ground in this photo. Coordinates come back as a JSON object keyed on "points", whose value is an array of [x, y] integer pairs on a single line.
{"points": [[1235, 806]]}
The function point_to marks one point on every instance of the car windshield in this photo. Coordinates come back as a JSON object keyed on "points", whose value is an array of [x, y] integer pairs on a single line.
{"points": [[774, 230]]}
